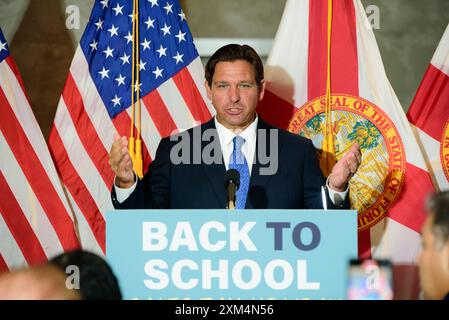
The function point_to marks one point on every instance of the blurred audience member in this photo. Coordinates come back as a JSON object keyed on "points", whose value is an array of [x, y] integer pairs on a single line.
{"points": [[434, 259], [96, 279], [45, 282]]}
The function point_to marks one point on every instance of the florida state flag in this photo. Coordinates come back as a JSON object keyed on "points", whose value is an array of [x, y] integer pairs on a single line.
{"points": [[429, 113], [326, 81]]}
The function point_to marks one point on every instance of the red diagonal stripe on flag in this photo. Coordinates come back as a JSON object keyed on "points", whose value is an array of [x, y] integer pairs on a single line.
{"points": [[18, 225], [344, 64], [86, 130], [275, 110], [191, 95], [3, 265], [431, 101], [159, 113], [364, 244], [317, 62], [77, 188], [36, 175], [417, 185], [12, 65]]}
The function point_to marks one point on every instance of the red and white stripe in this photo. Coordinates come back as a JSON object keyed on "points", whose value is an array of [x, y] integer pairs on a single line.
{"points": [[296, 73], [83, 133], [35, 217], [429, 111]]}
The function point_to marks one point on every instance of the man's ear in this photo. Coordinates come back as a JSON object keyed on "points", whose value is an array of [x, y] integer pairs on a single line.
{"points": [[261, 89], [208, 90]]}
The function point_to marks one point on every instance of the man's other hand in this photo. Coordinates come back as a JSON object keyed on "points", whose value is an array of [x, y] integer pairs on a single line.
{"points": [[345, 168], [121, 163]]}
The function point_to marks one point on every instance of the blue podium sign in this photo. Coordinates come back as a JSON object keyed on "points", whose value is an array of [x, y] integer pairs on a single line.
{"points": [[218, 254]]}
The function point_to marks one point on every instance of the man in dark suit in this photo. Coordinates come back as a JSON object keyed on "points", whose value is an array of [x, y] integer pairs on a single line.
{"points": [[278, 170]]}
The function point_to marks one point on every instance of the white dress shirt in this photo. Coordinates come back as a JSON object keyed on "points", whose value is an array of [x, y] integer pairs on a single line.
{"points": [[249, 150]]}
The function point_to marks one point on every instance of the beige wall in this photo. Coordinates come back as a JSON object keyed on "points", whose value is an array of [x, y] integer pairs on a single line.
{"points": [[233, 18], [43, 50], [409, 33]]}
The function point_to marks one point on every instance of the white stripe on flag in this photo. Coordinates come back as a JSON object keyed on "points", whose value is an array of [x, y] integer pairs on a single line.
{"points": [[28, 201], [431, 149], [176, 106], [9, 249], [97, 113], [81, 160], [375, 87], [87, 238], [398, 243], [93, 104], [286, 71], [196, 70], [364, 76], [440, 58], [20, 106], [150, 134]]}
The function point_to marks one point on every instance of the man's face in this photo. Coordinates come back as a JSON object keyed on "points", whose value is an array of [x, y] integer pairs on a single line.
{"points": [[234, 93], [433, 264]]}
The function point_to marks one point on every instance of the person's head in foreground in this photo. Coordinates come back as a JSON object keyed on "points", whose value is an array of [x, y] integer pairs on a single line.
{"points": [[44, 282], [96, 279], [434, 259]]}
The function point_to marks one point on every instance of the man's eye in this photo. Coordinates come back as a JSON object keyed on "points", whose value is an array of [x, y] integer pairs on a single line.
{"points": [[221, 86], [245, 85]]}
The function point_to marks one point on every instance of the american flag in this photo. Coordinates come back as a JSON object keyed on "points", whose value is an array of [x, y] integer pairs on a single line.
{"points": [[35, 218], [96, 100]]}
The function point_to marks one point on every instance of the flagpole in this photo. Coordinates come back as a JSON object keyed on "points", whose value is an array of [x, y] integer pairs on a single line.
{"points": [[135, 144], [327, 159]]}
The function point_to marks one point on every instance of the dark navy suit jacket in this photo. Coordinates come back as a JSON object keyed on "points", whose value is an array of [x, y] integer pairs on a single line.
{"points": [[296, 184]]}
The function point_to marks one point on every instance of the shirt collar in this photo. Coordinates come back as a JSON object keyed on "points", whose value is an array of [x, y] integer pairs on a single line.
{"points": [[226, 135]]}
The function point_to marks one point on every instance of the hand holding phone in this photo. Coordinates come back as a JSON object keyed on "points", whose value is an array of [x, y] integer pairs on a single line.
{"points": [[370, 280]]}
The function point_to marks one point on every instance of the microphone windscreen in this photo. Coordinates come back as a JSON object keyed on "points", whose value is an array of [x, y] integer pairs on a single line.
{"points": [[232, 175]]}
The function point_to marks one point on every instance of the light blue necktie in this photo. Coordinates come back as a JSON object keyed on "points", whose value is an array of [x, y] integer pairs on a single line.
{"points": [[238, 162]]}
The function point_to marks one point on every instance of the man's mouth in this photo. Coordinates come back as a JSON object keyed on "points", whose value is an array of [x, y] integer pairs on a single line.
{"points": [[234, 111]]}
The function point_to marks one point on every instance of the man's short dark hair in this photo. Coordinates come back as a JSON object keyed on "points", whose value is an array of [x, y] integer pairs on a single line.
{"points": [[438, 208], [233, 52], [97, 281]]}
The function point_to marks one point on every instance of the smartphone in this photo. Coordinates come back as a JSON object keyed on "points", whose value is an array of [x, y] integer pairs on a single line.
{"points": [[370, 280]]}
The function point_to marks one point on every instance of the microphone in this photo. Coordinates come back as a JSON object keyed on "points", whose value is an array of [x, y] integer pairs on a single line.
{"points": [[231, 183]]}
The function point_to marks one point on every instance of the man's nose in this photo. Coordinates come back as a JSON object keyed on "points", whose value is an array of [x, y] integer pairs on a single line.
{"points": [[234, 94]]}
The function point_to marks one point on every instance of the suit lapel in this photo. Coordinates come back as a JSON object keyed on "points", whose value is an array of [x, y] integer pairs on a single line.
{"points": [[258, 186], [214, 172]]}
